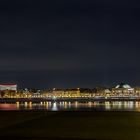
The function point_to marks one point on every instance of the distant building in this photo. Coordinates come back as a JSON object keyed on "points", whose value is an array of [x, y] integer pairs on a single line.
{"points": [[107, 91], [123, 88], [66, 92], [137, 90], [8, 87], [57, 92], [75, 92]]}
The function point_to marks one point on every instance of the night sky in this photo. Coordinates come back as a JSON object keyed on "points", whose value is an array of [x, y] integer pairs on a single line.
{"points": [[69, 43]]}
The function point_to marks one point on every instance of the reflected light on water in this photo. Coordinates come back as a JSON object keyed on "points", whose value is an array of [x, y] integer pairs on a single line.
{"points": [[107, 105], [69, 104], [137, 105], [125, 104], [60, 104], [65, 105], [131, 105], [54, 107], [26, 104], [8, 107], [47, 105], [30, 105], [89, 104], [17, 105], [76, 104], [50, 103], [119, 105]]}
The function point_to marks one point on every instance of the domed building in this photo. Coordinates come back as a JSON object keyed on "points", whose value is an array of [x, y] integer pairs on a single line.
{"points": [[123, 88], [123, 85]]}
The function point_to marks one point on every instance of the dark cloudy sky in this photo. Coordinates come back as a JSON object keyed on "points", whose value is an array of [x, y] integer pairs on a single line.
{"points": [[69, 43]]}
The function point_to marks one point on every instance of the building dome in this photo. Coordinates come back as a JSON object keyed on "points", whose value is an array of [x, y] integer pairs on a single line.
{"points": [[123, 85]]}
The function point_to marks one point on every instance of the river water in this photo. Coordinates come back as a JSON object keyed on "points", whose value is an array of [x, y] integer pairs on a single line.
{"points": [[74, 106]]}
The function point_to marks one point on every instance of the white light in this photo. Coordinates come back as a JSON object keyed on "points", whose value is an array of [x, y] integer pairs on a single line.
{"points": [[54, 107]]}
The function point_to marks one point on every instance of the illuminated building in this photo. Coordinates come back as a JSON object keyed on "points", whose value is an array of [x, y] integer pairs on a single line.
{"points": [[8, 90], [72, 92], [66, 93], [57, 92], [137, 90], [123, 89], [8, 87]]}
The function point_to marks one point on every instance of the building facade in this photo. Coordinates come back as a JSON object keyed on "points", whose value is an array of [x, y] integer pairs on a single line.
{"points": [[8, 87], [123, 89]]}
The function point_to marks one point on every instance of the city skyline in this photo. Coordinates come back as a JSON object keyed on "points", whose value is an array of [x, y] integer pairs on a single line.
{"points": [[69, 69], [69, 43], [15, 85]]}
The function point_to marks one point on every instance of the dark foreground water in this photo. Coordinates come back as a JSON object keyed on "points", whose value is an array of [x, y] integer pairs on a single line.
{"points": [[74, 106]]}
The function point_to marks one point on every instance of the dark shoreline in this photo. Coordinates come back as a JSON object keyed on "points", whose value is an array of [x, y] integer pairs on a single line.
{"points": [[66, 125]]}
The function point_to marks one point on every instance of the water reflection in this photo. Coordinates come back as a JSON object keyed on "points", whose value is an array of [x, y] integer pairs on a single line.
{"points": [[26, 104], [54, 107], [69, 104], [89, 104], [30, 105], [76, 104], [8, 107], [107, 105], [17, 104], [58, 106]]}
